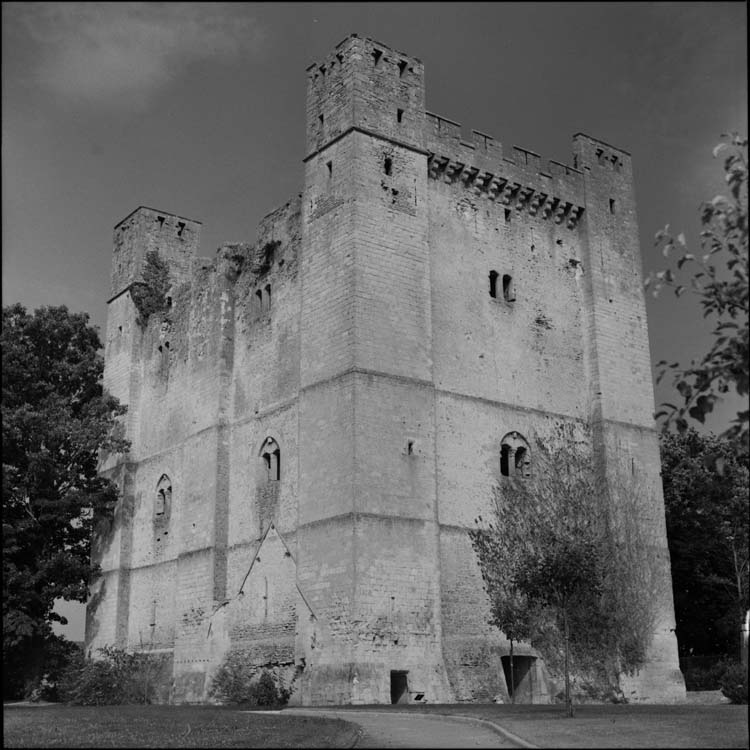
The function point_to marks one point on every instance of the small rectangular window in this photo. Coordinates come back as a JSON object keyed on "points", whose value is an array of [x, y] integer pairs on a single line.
{"points": [[388, 165], [611, 205], [399, 115], [493, 284], [401, 67], [507, 216], [330, 168]]}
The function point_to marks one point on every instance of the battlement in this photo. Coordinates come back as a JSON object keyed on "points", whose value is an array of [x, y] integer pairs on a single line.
{"points": [[352, 44], [148, 209], [520, 181]]}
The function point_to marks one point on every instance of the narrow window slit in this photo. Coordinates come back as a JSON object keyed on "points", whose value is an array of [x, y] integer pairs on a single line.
{"points": [[493, 284], [509, 294]]}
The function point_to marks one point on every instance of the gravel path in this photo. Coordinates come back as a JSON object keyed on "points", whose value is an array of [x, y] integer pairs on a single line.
{"points": [[413, 730]]}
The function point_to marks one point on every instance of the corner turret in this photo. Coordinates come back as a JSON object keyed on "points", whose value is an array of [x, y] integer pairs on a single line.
{"points": [[366, 86], [176, 238]]}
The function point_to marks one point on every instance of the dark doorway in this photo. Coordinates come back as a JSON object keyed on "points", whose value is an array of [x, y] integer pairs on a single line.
{"points": [[399, 687], [522, 687]]}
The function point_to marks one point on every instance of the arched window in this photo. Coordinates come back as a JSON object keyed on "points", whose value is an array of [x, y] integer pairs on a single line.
{"points": [[271, 456], [163, 499], [515, 457]]}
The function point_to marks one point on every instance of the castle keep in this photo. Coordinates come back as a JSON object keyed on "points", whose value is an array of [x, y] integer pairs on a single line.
{"points": [[317, 418]]}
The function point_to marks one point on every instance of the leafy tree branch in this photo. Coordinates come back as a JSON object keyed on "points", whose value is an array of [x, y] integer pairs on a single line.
{"points": [[719, 278]]}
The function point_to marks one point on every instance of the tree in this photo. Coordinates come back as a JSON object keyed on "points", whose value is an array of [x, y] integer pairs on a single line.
{"points": [[705, 497], [56, 418], [720, 280], [571, 579]]}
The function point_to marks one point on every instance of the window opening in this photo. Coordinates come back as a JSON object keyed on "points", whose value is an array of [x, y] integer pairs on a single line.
{"points": [[268, 296], [493, 284], [376, 55], [505, 460], [388, 165], [399, 115], [509, 294], [507, 216], [401, 67], [271, 455], [330, 168], [180, 228], [514, 455], [163, 496], [611, 205], [259, 298], [160, 219], [320, 120], [410, 448]]}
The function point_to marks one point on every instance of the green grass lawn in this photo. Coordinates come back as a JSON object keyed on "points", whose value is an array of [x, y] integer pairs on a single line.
{"points": [[167, 726]]}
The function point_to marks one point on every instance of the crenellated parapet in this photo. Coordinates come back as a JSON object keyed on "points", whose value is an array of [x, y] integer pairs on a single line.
{"points": [[519, 182], [506, 189]]}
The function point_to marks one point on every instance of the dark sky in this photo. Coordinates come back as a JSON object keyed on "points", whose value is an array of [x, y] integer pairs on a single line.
{"points": [[198, 109]]}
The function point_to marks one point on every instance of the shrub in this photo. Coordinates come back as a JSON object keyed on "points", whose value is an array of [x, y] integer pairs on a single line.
{"points": [[733, 682], [119, 677], [150, 295], [57, 655], [238, 681], [700, 677]]}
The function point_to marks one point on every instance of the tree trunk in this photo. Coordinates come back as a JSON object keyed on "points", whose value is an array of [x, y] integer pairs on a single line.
{"points": [[512, 678], [568, 701]]}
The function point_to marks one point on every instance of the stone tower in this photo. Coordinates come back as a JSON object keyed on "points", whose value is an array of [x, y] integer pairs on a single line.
{"points": [[317, 419], [368, 528]]}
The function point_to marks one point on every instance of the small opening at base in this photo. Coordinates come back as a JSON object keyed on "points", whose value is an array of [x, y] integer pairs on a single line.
{"points": [[399, 687]]}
